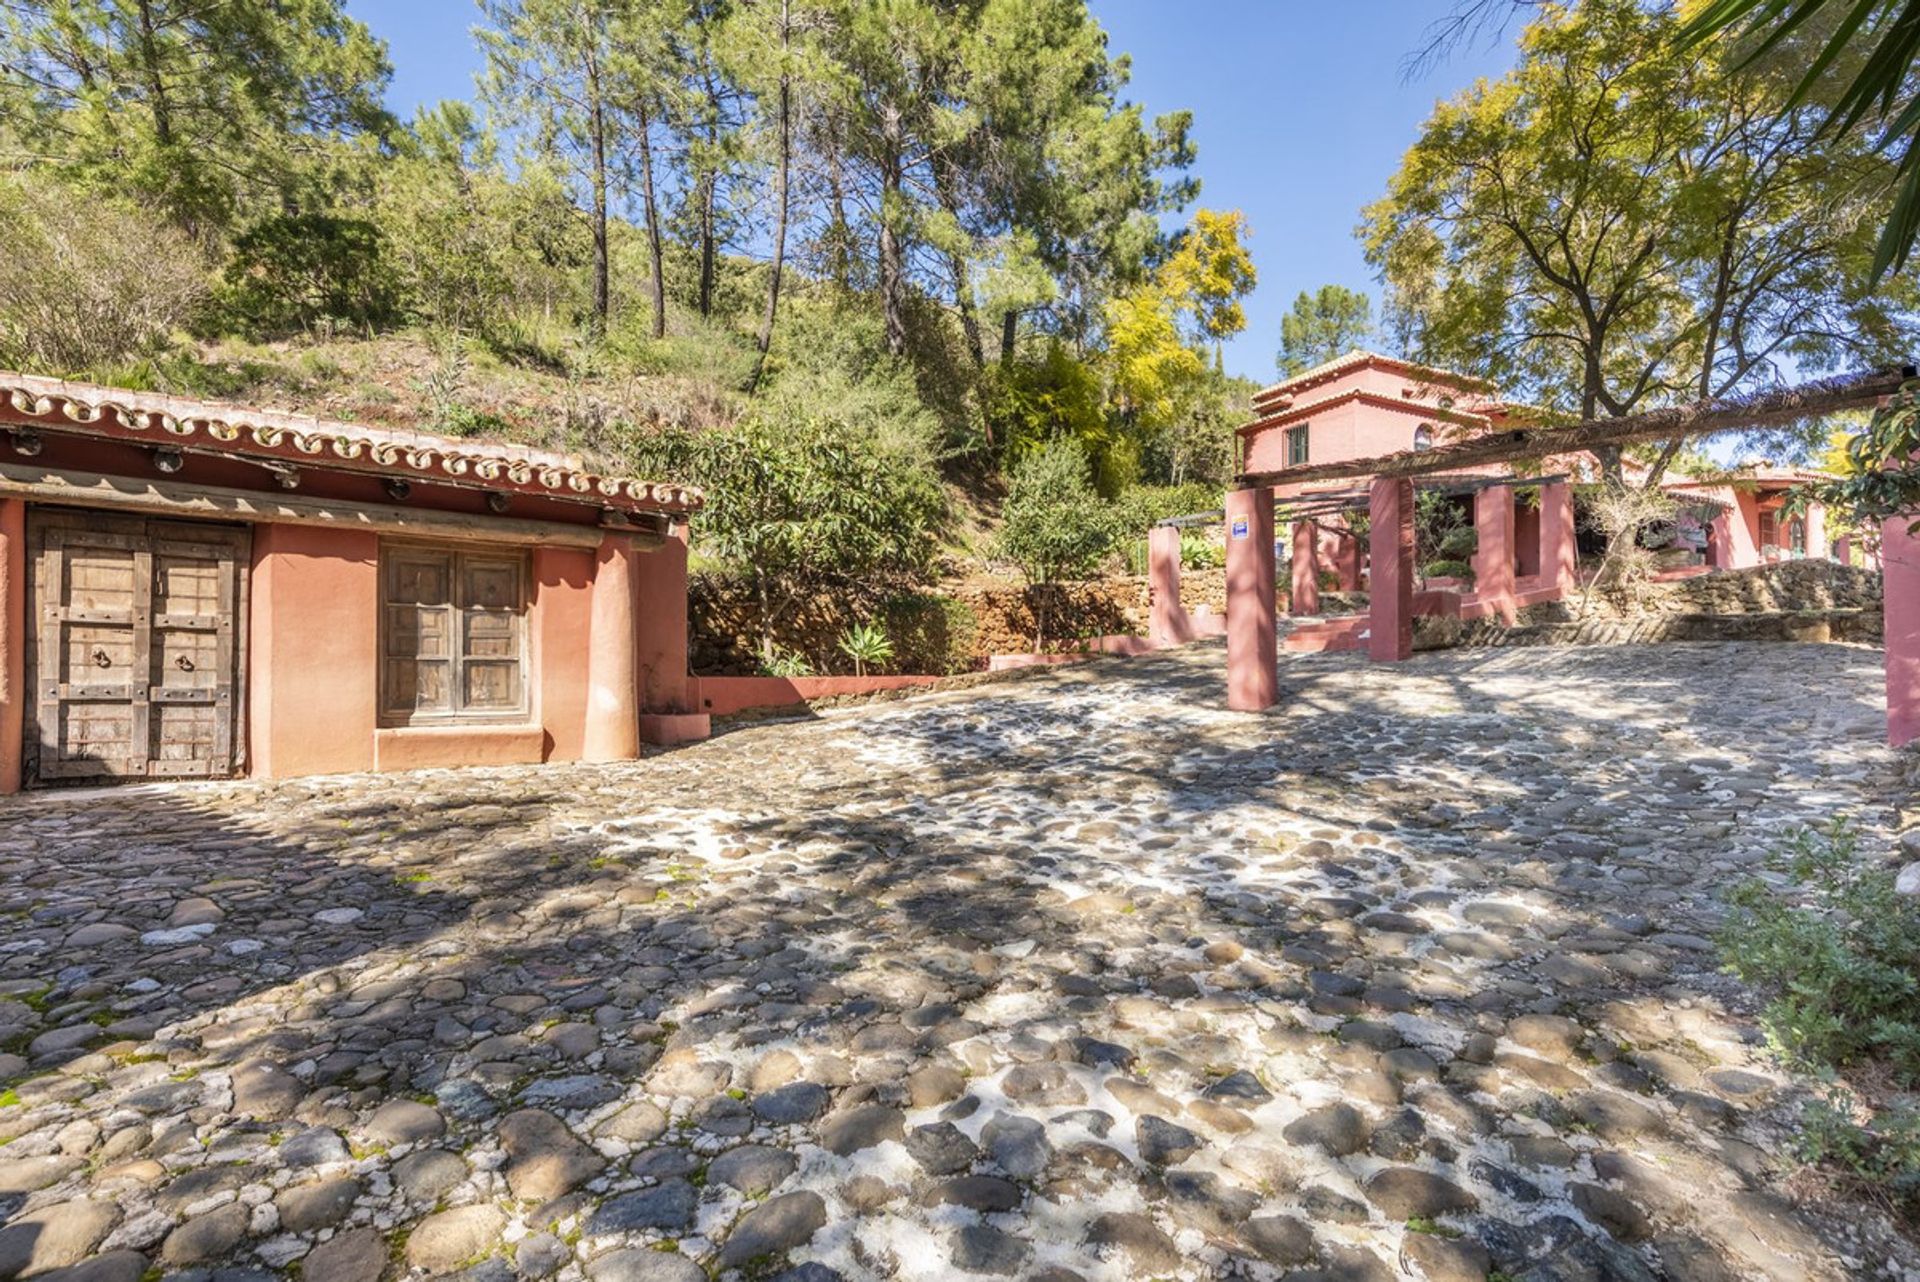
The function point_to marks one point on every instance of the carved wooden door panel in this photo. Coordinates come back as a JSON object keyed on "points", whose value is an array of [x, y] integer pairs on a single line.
{"points": [[137, 649]]}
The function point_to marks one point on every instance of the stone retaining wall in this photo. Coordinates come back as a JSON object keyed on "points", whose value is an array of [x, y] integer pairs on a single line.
{"points": [[1859, 625], [1786, 586], [949, 630]]}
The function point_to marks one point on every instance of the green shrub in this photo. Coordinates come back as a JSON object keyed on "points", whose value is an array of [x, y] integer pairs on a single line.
{"points": [[1442, 532], [86, 282], [1834, 946], [709, 354], [1447, 570], [1876, 1152], [531, 339], [464, 420], [801, 508], [1142, 506], [1196, 553], [1837, 952], [294, 271], [1459, 543]]}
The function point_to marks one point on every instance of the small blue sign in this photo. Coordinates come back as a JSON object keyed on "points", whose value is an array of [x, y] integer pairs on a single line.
{"points": [[1239, 527]]}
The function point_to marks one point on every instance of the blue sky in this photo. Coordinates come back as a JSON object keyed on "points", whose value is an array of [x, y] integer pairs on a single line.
{"points": [[1300, 112]]}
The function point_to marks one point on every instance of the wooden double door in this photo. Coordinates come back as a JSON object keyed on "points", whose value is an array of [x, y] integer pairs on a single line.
{"points": [[138, 648]]}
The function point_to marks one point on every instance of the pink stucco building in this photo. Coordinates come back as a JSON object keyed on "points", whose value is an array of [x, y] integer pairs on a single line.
{"points": [[192, 590], [1364, 405]]}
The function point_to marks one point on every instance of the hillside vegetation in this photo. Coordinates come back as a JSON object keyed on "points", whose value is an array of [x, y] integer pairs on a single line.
{"points": [[667, 236]]}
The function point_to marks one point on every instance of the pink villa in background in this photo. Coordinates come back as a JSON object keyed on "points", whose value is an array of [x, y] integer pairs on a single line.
{"points": [[1365, 405]]}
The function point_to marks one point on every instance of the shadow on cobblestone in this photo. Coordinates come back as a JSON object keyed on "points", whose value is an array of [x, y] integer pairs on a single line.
{"points": [[1076, 973]]}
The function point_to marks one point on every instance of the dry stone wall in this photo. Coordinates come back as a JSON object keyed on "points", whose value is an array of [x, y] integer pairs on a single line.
{"points": [[1790, 601], [1789, 586], [950, 630]]}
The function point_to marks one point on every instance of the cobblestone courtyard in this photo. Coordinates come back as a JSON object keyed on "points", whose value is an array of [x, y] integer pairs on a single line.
{"points": [[1071, 976]]}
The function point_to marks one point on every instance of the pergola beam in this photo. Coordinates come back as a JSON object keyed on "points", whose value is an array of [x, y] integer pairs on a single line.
{"points": [[1337, 501], [1698, 418]]}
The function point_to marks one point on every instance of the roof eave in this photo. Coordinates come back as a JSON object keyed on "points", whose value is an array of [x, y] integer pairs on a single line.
{"points": [[273, 437]]}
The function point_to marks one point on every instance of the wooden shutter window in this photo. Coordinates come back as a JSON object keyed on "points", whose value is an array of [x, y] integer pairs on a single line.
{"points": [[491, 609], [454, 636]]}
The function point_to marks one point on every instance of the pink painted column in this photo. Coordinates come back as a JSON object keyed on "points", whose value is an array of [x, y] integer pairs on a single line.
{"points": [[1493, 559], [1252, 645], [1900, 564], [1817, 530], [668, 708], [1390, 589], [1167, 617], [1306, 569], [1720, 542], [613, 709], [1559, 553], [13, 640], [1843, 550]]}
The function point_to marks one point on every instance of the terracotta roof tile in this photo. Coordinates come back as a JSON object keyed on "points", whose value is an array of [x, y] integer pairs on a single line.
{"points": [[296, 438]]}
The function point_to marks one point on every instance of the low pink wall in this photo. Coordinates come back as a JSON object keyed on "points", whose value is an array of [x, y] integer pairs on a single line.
{"points": [[1124, 644], [718, 696], [1008, 662]]}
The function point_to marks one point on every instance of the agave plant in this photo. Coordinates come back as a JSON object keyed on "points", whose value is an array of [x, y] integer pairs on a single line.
{"points": [[868, 645]]}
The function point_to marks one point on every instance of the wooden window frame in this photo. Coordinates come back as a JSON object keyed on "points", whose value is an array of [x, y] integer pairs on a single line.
{"points": [[458, 556], [1299, 435]]}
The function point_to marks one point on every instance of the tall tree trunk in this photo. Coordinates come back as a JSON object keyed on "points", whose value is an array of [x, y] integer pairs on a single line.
{"points": [[596, 108], [1009, 330], [969, 318], [779, 202], [709, 194], [893, 274], [838, 246], [655, 254], [706, 245], [1610, 457], [944, 188], [157, 103]]}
